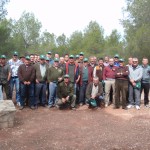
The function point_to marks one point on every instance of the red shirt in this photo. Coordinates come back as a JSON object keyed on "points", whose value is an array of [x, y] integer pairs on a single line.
{"points": [[109, 72]]}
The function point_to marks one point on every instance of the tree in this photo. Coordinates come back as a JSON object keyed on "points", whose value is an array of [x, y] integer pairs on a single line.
{"points": [[27, 32], [93, 40], [3, 11], [137, 27], [75, 42]]}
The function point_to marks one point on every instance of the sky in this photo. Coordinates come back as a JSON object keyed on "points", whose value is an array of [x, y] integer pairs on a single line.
{"points": [[67, 16]]}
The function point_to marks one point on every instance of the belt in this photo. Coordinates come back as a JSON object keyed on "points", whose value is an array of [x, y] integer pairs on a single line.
{"points": [[15, 77]]}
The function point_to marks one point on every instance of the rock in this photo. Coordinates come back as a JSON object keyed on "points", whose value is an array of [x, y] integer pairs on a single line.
{"points": [[7, 114]]}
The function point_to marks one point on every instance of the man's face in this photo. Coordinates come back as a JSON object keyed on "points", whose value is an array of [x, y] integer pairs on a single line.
{"points": [[121, 63], [56, 63], [145, 61], [130, 61], [66, 80], [135, 62], [100, 62], [49, 55], [95, 81], [3, 60], [15, 57], [27, 61], [32, 58], [71, 60], [92, 60], [42, 61], [66, 58], [116, 59], [85, 63], [106, 59], [81, 57], [111, 61]]}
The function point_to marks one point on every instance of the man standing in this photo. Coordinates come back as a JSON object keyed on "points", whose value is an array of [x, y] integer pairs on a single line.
{"points": [[54, 76], [49, 55], [40, 79], [14, 64], [135, 76], [109, 80], [116, 60], [94, 93], [65, 93], [145, 83], [121, 85], [5, 76], [86, 76], [26, 74]]}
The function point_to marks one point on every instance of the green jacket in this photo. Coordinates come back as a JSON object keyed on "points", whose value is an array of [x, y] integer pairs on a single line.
{"points": [[53, 74], [64, 90], [38, 72]]}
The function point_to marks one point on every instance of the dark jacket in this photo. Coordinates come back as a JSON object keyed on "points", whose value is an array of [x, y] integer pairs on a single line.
{"points": [[64, 90], [38, 72], [26, 73], [90, 74], [124, 72], [89, 90]]}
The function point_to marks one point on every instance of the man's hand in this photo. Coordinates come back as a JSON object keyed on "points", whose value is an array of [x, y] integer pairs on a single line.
{"points": [[37, 81], [63, 100], [67, 98]]}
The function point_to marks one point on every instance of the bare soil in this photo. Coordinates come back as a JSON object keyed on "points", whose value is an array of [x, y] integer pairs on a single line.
{"points": [[83, 129]]}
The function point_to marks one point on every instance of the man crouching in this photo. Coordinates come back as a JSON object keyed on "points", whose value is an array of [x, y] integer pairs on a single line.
{"points": [[94, 93], [65, 93]]}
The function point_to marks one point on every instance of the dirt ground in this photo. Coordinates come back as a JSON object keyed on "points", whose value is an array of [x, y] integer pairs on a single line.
{"points": [[83, 129]]}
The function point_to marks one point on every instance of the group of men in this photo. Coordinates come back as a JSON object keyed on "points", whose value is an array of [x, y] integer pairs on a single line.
{"points": [[74, 81]]}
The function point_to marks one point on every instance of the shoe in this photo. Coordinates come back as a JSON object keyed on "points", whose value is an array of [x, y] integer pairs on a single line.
{"points": [[137, 107], [146, 105], [21, 107], [130, 106], [125, 108], [32, 107], [18, 104], [73, 108], [106, 105], [81, 104], [57, 106], [49, 106], [115, 107]]}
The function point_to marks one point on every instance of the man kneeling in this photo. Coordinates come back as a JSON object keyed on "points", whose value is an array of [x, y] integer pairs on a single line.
{"points": [[94, 93], [65, 93]]}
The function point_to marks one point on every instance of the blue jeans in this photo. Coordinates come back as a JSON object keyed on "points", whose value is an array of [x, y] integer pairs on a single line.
{"points": [[134, 95], [1, 93], [82, 96], [24, 89], [40, 93], [52, 94], [15, 81]]}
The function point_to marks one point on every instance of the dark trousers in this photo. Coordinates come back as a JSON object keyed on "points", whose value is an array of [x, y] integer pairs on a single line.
{"points": [[24, 89], [145, 87], [82, 98], [6, 87], [40, 93], [121, 88]]}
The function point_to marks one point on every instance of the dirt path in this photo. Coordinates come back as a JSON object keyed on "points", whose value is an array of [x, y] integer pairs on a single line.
{"points": [[102, 129]]}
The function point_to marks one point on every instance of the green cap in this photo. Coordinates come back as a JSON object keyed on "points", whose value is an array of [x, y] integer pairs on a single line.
{"points": [[85, 60], [27, 57], [66, 76], [49, 52], [3, 56], [116, 56], [121, 60], [77, 56], [81, 53], [47, 58], [15, 53], [42, 57], [71, 56], [56, 59]]}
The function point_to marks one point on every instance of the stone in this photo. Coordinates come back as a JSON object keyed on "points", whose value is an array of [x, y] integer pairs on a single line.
{"points": [[7, 114]]}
